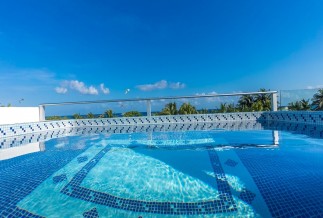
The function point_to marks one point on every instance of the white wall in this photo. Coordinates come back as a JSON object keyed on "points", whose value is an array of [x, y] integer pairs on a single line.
{"points": [[11, 115], [20, 150]]}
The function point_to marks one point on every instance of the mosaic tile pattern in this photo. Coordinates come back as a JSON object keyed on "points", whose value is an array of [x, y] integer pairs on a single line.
{"points": [[221, 180], [16, 212], [15, 186], [82, 159], [93, 213], [224, 204], [312, 130], [291, 187], [315, 131], [283, 116], [27, 128], [306, 117], [59, 178], [15, 141], [247, 196], [231, 163]]}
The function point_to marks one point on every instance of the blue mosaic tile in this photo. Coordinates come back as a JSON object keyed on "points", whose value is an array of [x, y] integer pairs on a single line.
{"points": [[224, 204], [59, 178], [16, 186], [247, 196], [82, 159], [290, 184], [93, 213], [223, 185], [231, 163]]}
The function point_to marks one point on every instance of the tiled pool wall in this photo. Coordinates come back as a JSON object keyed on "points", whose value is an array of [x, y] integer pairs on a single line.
{"points": [[27, 128], [19, 140], [311, 118], [304, 117], [300, 122]]}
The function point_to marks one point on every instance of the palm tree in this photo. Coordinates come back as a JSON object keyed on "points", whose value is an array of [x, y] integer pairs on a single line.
{"points": [[90, 115], [223, 108], [318, 100], [187, 108], [305, 104], [132, 114], [108, 113], [231, 108], [257, 106], [294, 106], [264, 99], [169, 109], [77, 116], [245, 102]]}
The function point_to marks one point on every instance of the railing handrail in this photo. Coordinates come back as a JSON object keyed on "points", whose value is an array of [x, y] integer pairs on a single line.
{"points": [[156, 98]]}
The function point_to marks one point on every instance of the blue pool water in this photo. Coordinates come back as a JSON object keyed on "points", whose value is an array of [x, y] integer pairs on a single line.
{"points": [[164, 172]]}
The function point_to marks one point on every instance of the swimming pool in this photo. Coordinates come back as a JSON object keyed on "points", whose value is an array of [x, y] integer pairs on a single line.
{"points": [[243, 169]]}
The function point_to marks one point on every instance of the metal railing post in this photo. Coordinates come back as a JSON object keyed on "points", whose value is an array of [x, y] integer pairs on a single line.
{"points": [[275, 137], [148, 108], [274, 101], [41, 112]]}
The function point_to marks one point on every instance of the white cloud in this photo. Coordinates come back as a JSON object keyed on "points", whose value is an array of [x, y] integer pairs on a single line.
{"points": [[209, 93], [210, 99], [103, 89], [177, 85], [60, 90], [162, 84], [80, 87]]}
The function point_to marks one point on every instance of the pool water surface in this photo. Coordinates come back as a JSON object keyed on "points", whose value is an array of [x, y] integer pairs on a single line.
{"points": [[203, 173]]}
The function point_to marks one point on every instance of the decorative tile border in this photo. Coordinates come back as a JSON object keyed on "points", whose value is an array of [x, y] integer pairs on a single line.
{"points": [[16, 186], [312, 130], [304, 117], [223, 204], [19, 140], [27, 128], [308, 117]]}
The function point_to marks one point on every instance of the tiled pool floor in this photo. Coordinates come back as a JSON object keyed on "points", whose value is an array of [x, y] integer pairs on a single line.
{"points": [[167, 174]]}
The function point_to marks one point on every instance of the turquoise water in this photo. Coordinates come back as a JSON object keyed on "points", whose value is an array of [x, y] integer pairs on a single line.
{"points": [[252, 173]]}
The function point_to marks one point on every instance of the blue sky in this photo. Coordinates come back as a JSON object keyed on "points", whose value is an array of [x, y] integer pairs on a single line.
{"points": [[53, 51]]}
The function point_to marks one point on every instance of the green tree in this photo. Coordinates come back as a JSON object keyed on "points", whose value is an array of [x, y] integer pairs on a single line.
{"points": [[187, 108], [302, 105], [223, 108], [108, 113], [305, 104], [132, 114], [317, 100], [294, 106], [169, 109], [257, 106], [231, 108], [245, 102], [56, 118], [264, 99], [90, 115], [203, 111], [77, 116]]}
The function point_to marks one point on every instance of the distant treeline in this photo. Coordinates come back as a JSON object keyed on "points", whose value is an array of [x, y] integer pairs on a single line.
{"points": [[246, 103]]}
